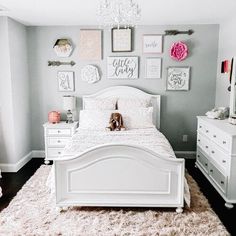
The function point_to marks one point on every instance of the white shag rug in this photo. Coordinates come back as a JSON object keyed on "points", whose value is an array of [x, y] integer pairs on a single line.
{"points": [[32, 212]]}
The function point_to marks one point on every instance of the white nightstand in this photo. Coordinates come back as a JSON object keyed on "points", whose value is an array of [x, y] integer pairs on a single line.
{"points": [[56, 136]]}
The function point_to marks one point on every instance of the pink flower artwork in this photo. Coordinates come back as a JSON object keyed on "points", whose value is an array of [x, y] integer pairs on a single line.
{"points": [[179, 51]]}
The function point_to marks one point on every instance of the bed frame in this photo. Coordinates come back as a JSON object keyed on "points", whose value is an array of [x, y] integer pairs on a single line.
{"points": [[120, 175]]}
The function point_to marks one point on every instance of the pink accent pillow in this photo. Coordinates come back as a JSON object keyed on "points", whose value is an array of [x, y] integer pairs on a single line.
{"points": [[179, 51]]}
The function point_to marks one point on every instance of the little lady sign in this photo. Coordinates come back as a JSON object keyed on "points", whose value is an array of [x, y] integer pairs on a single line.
{"points": [[122, 67]]}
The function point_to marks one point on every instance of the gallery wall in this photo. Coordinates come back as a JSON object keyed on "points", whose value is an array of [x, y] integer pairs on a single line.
{"points": [[179, 108]]}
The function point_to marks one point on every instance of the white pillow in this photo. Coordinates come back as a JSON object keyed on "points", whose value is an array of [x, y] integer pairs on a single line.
{"points": [[100, 103], [138, 118], [132, 103], [94, 119]]}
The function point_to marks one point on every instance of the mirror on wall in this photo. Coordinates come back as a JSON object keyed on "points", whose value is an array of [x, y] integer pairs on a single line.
{"points": [[232, 106]]}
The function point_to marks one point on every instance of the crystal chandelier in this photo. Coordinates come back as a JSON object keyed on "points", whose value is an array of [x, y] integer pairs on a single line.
{"points": [[117, 13]]}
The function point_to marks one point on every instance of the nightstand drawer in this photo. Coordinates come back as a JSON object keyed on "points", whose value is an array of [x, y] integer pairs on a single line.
{"points": [[54, 152], [59, 132], [59, 142]]}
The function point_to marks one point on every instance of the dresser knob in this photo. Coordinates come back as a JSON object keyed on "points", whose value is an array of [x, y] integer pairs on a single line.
{"points": [[59, 153], [58, 131], [224, 161], [207, 131], [224, 142], [198, 156], [211, 171], [214, 136], [198, 140], [206, 164], [206, 146], [212, 152], [58, 141], [222, 182], [200, 126]]}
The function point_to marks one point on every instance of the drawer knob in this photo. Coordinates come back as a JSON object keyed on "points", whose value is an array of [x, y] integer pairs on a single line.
{"points": [[200, 126], [198, 156], [58, 131], [207, 131], [206, 146], [198, 140], [222, 182], [224, 142], [58, 141], [206, 164], [224, 161], [211, 171], [212, 152], [214, 136], [59, 152]]}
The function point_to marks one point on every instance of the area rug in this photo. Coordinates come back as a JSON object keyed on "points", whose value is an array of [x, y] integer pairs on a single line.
{"points": [[32, 212]]}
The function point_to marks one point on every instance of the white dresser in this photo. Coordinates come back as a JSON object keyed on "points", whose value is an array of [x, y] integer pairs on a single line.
{"points": [[216, 156], [56, 136]]}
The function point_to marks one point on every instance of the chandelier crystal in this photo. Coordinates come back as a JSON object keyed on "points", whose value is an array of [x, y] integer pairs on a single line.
{"points": [[117, 13]]}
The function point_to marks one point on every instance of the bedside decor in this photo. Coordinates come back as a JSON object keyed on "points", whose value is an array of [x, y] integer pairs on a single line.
{"points": [[63, 47], [153, 68], [69, 104], [90, 74], [152, 43], [122, 67], [121, 40], [66, 81], [179, 51], [178, 78], [60, 63], [54, 117], [90, 44]]}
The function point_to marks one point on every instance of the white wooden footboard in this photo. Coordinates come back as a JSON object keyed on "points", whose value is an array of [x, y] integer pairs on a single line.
{"points": [[119, 175]]}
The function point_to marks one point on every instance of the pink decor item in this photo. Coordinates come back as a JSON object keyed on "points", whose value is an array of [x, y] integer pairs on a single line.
{"points": [[179, 51], [54, 117]]}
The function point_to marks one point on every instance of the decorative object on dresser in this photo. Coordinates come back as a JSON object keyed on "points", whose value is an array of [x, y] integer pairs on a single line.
{"points": [[152, 43], [178, 78], [60, 63], [153, 68], [121, 40], [69, 105], [179, 51], [66, 81], [90, 44], [216, 152], [63, 47], [54, 117], [122, 67], [56, 137], [220, 113], [90, 74]]}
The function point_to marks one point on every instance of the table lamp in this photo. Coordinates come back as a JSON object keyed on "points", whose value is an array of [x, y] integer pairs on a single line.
{"points": [[69, 105]]}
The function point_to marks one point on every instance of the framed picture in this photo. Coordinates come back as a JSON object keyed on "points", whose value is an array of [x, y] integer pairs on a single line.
{"points": [[152, 43], [90, 44], [121, 40], [178, 78], [66, 81], [153, 68], [122, 67]]}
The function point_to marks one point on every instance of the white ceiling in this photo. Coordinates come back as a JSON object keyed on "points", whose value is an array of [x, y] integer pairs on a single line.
{"points": [[84, 12]]}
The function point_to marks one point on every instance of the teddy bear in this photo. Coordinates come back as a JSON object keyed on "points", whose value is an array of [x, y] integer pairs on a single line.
{"points": [[116, 122]]}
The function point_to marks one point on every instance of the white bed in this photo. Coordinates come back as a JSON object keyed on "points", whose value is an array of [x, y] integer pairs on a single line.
{"points": [[135, 167]]}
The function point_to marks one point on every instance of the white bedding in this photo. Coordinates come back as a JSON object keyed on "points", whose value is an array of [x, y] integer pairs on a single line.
{"points": [[150, 138]]}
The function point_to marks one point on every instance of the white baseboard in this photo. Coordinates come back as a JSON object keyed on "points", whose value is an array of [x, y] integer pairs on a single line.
{"points": [[186, 154], [41, 154]]}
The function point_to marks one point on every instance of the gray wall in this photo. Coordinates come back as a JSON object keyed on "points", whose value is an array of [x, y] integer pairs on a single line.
{"points": [[227, 49], [179, 109], [15, 121]]}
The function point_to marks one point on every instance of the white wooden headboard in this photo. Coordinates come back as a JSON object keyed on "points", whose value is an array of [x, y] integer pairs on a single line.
{"points": [[131, 92]]}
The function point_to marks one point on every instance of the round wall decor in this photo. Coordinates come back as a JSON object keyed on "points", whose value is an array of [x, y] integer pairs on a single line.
{"points": [[179, 51], [90, 74]]}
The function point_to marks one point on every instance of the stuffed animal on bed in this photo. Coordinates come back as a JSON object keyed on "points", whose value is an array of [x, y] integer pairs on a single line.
{"points": [[116, 122]]}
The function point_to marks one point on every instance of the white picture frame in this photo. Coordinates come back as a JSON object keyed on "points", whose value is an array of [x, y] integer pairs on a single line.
{"points": [[153, 67], [66, 81], [178, 78], [121, 40], [122, 67], [152, 43]]}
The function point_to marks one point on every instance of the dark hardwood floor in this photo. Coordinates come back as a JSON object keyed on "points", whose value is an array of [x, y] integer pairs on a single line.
{"points": [[11, 183]]}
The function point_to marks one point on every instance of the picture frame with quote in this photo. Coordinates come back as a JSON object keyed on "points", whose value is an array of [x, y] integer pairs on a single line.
{"points": [[124, 67], [152, 44], [66, 81], [178, 78], [121, 40], [153, 68]]}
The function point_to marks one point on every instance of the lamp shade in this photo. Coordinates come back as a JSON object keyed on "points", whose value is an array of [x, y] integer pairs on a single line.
{"points": [[69, 103]]}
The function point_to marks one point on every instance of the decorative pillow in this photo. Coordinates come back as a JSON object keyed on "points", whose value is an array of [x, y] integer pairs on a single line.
{"points": [[133, 103], [138, 118], [100, 103], [94, 119]]}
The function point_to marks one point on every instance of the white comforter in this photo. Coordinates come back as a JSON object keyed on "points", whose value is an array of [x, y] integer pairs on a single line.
{"points": [[150, 138]]}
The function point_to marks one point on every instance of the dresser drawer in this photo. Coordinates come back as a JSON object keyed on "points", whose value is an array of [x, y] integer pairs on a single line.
{"points": [[202, 160], [222, 139], [54, 152], [205, 129], [204, 143], [219, 178], [220, 158], [58, 132], [57, 141]]}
